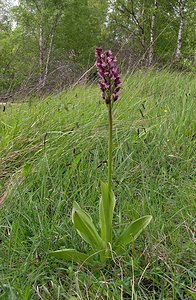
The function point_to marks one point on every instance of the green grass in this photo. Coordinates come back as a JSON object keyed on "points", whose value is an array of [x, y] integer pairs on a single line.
{"points": [[54, 152]]}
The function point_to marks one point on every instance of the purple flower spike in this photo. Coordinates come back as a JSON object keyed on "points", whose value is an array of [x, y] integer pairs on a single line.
{"points": [[109, 82]]}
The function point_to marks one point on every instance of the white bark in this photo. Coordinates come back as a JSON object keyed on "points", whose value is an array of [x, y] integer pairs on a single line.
{"points": [[47, 61], [44, 77], [143, 26], [180, 31], [152, 34], [41, 50]]}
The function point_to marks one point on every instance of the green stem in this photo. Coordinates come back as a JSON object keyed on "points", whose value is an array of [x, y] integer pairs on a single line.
{"points": [[110, 148]]}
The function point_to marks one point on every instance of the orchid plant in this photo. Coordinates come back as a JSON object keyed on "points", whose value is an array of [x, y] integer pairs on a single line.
{"points": [[103, 243]]}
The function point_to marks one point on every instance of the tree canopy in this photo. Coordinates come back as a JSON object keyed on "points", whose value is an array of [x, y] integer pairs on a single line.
{"points": [[47, 42]]}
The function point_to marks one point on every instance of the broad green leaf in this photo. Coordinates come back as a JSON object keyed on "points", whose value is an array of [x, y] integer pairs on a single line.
{"points": [[106, 210], [70, 255], [85, 227], [132, 231]]}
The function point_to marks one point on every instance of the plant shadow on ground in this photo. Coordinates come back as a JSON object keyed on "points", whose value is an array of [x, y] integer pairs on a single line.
{"points": [[153, 174]]}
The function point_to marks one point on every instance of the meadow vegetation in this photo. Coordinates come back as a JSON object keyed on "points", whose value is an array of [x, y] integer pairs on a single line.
{"points": [[54, 152]]}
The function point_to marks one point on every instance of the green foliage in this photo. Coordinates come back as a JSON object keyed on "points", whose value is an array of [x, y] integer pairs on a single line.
{"points": [[85, 227], [71, 255], [79, 32], [106, 210], [81, 220], [154, 158], [69, 32], [132, 231], [101, 245], [130, 23]]}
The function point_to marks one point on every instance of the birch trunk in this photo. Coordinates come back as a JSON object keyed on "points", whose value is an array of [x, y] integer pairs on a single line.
{"points": [[41, 50], [180, 31], [44, 77], [56, 20], [142, 30], [152, 34], [142, 27]]}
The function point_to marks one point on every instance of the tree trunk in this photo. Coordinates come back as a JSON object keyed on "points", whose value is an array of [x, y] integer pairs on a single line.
{"points": [[56, 20], [180, 31], [44, 77], [143, 42], [152, 34], [41, 51]]}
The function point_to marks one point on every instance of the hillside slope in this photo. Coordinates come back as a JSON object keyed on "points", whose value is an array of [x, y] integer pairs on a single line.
{"points": [[54, 151]]}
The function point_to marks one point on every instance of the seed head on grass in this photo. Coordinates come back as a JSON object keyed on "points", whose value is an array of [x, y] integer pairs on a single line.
{"points": [[109, 82]]}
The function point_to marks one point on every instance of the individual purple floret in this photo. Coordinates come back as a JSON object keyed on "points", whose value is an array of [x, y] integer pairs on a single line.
{"points": [[109, 77]]}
